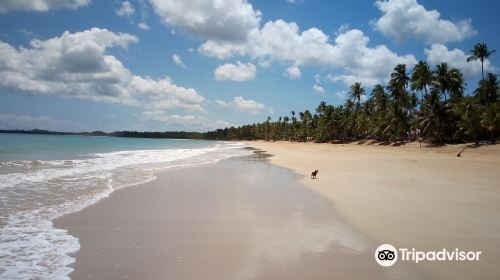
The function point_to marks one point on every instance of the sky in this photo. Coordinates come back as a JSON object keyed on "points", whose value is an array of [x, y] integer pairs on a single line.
{"points": [[198, 65]]}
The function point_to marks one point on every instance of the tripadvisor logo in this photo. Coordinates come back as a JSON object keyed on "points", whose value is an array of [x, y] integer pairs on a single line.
{"points": [[387, 255]]}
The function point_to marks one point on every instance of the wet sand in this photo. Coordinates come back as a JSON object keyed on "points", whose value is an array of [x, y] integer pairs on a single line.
{"points": [[242, 218], [425, 198]]}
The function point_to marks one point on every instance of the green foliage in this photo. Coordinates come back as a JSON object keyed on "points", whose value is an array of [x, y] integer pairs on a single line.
{"points": [[394, 112], [391, 113]]}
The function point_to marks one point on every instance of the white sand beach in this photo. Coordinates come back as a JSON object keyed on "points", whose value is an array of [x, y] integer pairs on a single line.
{"points": [[425, 198]]}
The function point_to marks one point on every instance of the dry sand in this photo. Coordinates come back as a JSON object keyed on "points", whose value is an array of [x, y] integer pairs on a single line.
{"points": [[239, 219], [425, 198]]}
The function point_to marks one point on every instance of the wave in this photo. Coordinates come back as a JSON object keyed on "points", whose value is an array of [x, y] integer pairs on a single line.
{"points": [[34, 193]]}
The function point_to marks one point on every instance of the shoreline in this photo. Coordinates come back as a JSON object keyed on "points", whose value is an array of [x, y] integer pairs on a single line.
{"points": [[425, 198], [194, 223]]}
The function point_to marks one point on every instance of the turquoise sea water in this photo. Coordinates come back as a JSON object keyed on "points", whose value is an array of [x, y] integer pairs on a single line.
{"points": [[43, 177], [47, 147]]}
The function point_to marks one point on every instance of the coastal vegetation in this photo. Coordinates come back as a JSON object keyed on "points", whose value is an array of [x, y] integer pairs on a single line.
{"points": [[424, 103]]}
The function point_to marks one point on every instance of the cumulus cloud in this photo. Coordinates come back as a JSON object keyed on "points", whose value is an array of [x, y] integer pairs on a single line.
{"points": [[247, 105], [78, 65], [241, 104], [283, 41], [438, 53], [183, 122], [232, 28], [178, 61], [293, 72], [126, 9], [404, 19], [223, 20], [235, 72], [40, 5], [27, 122], [319, 89], [348, 80]]}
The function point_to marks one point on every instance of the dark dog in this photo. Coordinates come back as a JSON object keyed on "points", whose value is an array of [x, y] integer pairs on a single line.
{"points": [[313, 174]]}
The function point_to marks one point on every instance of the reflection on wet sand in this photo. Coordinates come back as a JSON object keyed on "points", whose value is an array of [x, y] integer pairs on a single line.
{"points": [[238, 219]]}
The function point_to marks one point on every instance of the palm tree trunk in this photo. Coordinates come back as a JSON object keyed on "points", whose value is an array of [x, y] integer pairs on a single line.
{"points": [[482, 69]]}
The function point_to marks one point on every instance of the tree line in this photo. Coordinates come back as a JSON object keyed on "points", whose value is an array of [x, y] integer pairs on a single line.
{"points": [[426, 104]]}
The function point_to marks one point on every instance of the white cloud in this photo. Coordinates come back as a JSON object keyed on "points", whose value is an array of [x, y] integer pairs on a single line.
{"points": [[247, 105], [319, 89], [77, 65], [232, 28], [348, 80], [126, 9], [438, 53], [221, 103], [235, 72], [143, 26], [27, 122], [341, 94], [178, 61], [265, 63], [40, 5], [293, 72], [283, 41], [243, 105], [224, 20], [183, 122], [403, 19], [317, 78], [343, 28]]}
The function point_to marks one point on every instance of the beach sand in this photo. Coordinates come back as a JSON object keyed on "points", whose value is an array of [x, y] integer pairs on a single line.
{"points": [[241, 218], [424, 198]]}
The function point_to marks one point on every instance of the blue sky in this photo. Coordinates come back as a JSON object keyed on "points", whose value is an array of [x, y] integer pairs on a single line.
{"points": [[80, 65]]}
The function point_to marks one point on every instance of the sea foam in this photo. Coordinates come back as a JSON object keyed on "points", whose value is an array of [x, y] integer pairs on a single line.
{"points": [[34, 193]]}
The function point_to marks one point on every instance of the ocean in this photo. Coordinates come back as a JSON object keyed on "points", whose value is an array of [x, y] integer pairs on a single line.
{"points": [[43, 177]]}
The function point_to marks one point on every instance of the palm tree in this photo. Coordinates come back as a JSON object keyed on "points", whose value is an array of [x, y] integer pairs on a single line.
{"points": [[357, 91], [379, 98], [421, 78], [469, 122], [399, 77], [488, 90], [456, 84], [442, 78], [490, 120], [480, 52], [431, 116]]}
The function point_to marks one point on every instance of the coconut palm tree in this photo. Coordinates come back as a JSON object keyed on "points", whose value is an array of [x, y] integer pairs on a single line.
{"points": [[379, 97], [489, 90], [399, 77], [469, 122], [442, 78], [456, 84], [490, 120], [431, 116], [480, 52], [421, 78], [357, 91]]}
